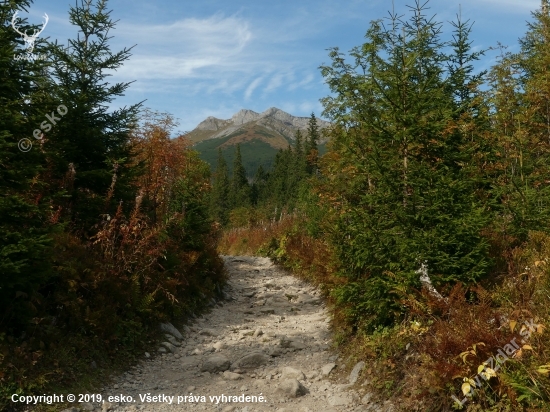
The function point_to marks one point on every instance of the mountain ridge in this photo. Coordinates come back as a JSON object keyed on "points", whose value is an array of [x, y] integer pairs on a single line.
{"points": [[277, 120], [260, 135]]}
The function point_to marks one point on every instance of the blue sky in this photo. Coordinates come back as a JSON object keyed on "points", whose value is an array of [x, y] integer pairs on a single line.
{"points": [[203, 58]]}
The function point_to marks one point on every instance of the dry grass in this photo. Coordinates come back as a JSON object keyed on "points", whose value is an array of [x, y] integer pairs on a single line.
{"points": [[418, 363], [248, 241]]}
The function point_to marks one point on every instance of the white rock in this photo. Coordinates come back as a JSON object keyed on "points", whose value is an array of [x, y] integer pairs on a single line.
{"points": [[232, 376], [219, 345], [327, 369], [354, 375], [292, 388], [339, 400], [169, 346], [172, 340], [291, 373], [312, 375], [170, 329]]}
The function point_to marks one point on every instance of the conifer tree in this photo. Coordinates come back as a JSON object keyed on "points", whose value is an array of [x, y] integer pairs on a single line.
{"points": [[87, 136], [24, 213], [259, 184], [240, 189], [312, 145], [219, 200], [521, 101], [299, 164], [396, 201]]}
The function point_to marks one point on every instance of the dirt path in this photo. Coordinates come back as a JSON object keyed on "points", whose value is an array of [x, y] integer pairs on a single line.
{"points": [[269, 341]]}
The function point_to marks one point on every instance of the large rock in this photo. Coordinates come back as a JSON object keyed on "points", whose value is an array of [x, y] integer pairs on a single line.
{"points": [[292, 388], [172, 340], [232, 376], [327, 369], [354, 375], [169, 346], [275, 352], [291, 373], [171, 330], [215, 363], [297, 345], [339, 400], [252, 360]]}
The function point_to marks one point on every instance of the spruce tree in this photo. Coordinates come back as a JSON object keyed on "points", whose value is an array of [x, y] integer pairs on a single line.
{"points": [[240, 189], [521, 101], [25, 266], [258, 190], [396, 201], [219, 199], [299, 165], [86, 136], [312, 145]]}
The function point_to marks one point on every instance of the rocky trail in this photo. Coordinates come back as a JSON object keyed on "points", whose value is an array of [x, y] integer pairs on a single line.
{"points": [[268, 341]]}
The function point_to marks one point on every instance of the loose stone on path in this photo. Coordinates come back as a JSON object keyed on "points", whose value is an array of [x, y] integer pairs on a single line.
{"points": [[270, 338]]}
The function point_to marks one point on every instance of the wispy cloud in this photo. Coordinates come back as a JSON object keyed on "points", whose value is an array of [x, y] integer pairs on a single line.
{"points": [[275, 82], [184, 48], [215, 57], [304, 82], [250, 89]]}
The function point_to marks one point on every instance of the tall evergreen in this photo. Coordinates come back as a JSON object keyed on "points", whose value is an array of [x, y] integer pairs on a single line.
{"points": [[219, 199], [24, 215], [259, 184], [240, 189], [300, 165], [521, 101], [312, 144], [86, 137], [397, 201]]}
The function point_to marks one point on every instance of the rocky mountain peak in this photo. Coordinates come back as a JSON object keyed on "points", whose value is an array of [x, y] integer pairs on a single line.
{"points": [[244, 116], [212, 123]]}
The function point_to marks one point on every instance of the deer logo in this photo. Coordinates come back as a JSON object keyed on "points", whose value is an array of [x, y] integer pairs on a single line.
{"points": [[29, 40]]}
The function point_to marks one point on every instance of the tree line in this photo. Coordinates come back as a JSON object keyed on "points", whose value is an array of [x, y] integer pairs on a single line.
{"points": [[430, 161], [237, 200]]}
